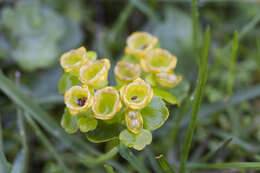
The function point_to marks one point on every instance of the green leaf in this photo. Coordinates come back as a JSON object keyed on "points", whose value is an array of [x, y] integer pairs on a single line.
{"points": [[202, 79], [165, 95], [67, 81], [104, 132], [164, 164], [180, 91], [18, 163], [109, 168], [92, 55], [136, 141], [86, 124], [154, 114], [3, 162], [69, 122], [132, 159]]}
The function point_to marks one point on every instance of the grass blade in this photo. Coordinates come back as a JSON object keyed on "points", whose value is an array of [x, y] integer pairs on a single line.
{"points": [[23, 167], [195, 27], [197, 100], [18, 166], [132, 159], [238, 165], [150, 156], [210, 109], [3, 162], [46, 143], [109, 168], [164, 164], [215, 152], [230, 81]]}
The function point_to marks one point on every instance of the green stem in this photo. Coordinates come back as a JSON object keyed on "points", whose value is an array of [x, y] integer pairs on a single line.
{"points": [[103, 157], [197, 100], [195, 27], [164, 164], [46, 143], [230, 81], [24, 139], [109, 168]]}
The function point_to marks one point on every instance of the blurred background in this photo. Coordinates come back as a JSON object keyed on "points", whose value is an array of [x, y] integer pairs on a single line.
{"points": [[34, 34]]}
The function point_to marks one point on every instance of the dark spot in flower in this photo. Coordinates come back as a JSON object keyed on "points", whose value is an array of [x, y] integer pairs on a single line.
{"points": [[81, 101], [134, 98], [144, 46]]}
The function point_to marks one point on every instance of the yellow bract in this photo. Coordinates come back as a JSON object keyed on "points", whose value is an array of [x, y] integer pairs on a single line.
{"points": [[158, 60], [137, 94], [126, 72], [78, 99], [94, 74], [134, 120], [168, 79], [140, 43], [106, 103], [71, 61]]}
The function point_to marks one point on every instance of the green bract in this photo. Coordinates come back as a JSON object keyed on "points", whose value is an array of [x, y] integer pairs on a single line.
{"points": [[96, 109]]}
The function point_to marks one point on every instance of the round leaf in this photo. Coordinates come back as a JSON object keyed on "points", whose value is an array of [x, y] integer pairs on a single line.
{"points": [[136, 141], [67, 81], [166, 96], [104, 132], [87, 124], [69, 122], [154, 114]]}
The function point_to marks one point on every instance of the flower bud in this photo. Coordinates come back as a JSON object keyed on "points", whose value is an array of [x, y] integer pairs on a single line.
{"points": [[139, 43], [126, 72], [134, 120], [137, 94], [106, 103], [168, 79], [78, 99], [71, 61], [94, 74]]}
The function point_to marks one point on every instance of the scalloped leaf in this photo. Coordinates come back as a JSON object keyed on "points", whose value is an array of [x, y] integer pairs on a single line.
{"points": [[69, 122], [155, 114], [166, 96], [67, 80], [86, 124], [104, 132], [136, 141]]}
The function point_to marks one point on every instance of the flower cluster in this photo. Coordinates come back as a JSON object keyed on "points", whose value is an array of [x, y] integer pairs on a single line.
{"points": [[129, 110]]}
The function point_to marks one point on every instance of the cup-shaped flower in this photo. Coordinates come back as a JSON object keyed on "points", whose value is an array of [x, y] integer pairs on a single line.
{"points": [[137, 94], [134, 120], [71, 61], [78, 99], [139, 43], [158, 60], [106, 103], [94, 74], [167, 79], [126, 72]]}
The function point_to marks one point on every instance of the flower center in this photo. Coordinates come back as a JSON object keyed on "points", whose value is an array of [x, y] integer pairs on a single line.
{"points": [[143, 47], [81, 101], [134, 98]]}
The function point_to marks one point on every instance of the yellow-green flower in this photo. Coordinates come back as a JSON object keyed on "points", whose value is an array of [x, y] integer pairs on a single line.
{"points": [[126, 72], [71, 61], [168, 79], [78, 99], [94, 74], [139, 43], [106, 103], [134, 120], [158, 60], [137, 94]]}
